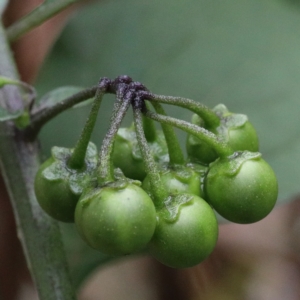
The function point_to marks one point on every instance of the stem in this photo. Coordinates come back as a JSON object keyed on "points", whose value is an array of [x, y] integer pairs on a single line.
{"points": [[78, 156], [157, 188], [39, 234], [209, 117], [36, 17], [208, 137], [175, 153], [149, 129], [42, 117], [105, 169]]}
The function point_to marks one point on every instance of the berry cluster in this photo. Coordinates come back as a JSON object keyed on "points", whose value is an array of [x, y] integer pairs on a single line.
{"points": [[141, 193]]}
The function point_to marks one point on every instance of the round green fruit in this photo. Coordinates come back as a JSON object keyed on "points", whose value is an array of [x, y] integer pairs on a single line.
{"points": [[58, 187], [235, 129], [116, 219], [128, 157], [242, 188], [186, 233], [179, 179]]}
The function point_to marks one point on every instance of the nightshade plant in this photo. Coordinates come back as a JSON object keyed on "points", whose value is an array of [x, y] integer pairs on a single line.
{"points": [[169, 215]]}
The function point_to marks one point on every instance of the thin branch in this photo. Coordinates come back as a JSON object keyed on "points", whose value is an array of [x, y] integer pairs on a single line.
{"points": [[42, 117], [42, 13]]}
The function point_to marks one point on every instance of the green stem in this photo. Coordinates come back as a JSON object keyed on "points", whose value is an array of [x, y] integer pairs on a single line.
{"points": [[175, 153], [76, 161], [39, 234], [105, 169], [40, 118], [157, 187], [36, 17], [209, 117], [149, 129], [208, 137]]}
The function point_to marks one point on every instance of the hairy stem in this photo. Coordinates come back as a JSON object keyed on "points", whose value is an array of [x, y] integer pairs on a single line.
{"points": [[105, 169], [209, 117], [39, 234], [40, 118], [208, 137], [78, 156], [157, 188]]}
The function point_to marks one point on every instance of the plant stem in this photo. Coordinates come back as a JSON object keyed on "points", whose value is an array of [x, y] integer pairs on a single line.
{"points": [[209, 117], [76, 161], [208, 137], [42, 117], [149, 129], [39, 234], [157, 188], [105, 169], [36, 17], [175, 153]]}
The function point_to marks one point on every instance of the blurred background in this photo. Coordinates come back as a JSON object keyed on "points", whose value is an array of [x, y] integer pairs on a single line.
{"points": [[244, 54]]}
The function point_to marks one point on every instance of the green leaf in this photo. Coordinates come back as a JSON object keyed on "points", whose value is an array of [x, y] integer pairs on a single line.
{"points": [[59, 94], [3, 4]]}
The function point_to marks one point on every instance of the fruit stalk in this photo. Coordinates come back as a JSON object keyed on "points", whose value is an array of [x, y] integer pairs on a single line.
{"points": [[208, 116], [78, 156], [105, 169], [150, 165], [220, 147]]}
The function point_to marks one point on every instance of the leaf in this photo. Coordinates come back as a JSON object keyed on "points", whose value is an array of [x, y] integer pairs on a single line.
{"points": [[3, 4], [59, 94]]}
